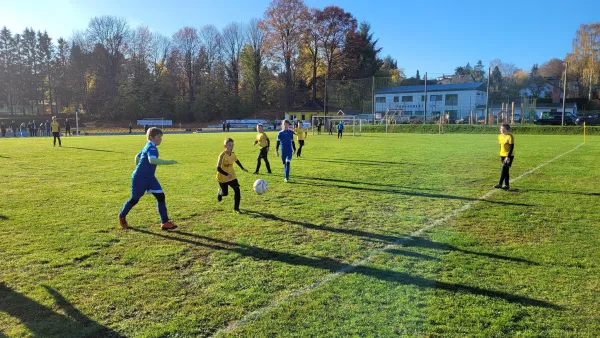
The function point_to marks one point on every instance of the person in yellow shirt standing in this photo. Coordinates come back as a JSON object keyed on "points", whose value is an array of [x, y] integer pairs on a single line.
{"points": [[264, 143], [507, 147], [55, 127], [226, 174], [301, 134]]}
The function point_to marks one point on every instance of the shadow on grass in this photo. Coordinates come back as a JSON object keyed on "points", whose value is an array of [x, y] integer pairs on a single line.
{"points": [[335, 266], [359, 233], [356, 162], [44, 322], [413, 242], [3, 218], [91, 149], [356, 182], [424, 243], [563, 192], [2, 156], [412, 193]]}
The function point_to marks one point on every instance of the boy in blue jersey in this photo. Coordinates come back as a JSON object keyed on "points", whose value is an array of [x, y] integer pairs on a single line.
{"points": [[340, 127], [143, 180], [285, 138]]}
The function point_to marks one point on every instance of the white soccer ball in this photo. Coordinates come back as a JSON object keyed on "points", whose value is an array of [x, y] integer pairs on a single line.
{"points": [[260, 186]]}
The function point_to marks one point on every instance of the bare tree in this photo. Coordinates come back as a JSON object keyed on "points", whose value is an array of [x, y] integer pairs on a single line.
{"points": [[212, 41], [311, 38], [233, 42], [335, 24], [187, 42], [284, 23], [160, 48], [256, 40]]}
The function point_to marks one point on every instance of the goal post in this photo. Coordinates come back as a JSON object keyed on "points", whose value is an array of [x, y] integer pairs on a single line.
{"points": [[326, 122]]}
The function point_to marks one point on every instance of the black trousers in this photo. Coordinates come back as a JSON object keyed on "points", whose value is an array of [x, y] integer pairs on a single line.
{"points": [[57, 136], [505, 176], [299, 152], [264, 153], [224, 191], [340, 133], [68, 131]]}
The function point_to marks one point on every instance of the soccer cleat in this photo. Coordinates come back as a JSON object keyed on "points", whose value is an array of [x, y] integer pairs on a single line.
{"points": [[506, 187], [168, 225], [123, 223], [219, 197], [497, 186], [255, 173], [285, 180], [269, 172], [237, 211]]}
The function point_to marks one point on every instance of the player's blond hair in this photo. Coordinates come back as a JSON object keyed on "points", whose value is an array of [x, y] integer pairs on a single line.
{"points": [[153, 132]]}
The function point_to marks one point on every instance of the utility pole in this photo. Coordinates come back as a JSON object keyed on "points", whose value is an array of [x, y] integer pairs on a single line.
{"points": [[487, 96], [425, 103], [564, 94], [373, 98]]}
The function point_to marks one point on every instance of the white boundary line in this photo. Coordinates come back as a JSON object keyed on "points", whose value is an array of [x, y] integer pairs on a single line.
{"points": [[351, 267]]}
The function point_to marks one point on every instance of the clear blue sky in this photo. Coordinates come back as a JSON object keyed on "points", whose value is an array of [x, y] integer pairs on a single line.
{"points": [[432, 36]]}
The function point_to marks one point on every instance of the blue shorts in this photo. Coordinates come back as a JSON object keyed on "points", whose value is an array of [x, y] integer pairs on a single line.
{"points": [[141, 185], [286, 157]]}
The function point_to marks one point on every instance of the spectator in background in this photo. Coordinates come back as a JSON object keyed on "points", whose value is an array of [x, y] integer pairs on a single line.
{"points": [[30, 129], [34, 128], [42, 129], [13, 127], [224, 126], [130, 128], [228, 126], [3, 129], [146, 128], [47, 128], [67, 128], [23, 129]]}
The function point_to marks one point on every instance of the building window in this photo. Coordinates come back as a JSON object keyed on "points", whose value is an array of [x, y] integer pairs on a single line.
{"points": [[452, 99], [396, 99], [422, 98], [407, 99], [303, 119], [380, 99], [435, 98], [420, 112]]}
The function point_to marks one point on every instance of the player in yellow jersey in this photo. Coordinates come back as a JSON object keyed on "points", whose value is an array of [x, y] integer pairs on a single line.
{"points": [[507, 147], [301, 134], [264, 143], [55, 127], [226, 174]]}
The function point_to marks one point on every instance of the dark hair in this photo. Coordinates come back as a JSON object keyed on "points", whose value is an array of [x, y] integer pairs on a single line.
{"points": [[229, 139], [153, 132], [506, 126]]}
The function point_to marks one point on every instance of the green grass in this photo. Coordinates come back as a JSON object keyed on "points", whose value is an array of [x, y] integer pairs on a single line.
{"points": [[520, 263]]}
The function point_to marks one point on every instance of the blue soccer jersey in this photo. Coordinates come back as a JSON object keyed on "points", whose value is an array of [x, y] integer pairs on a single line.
{"points": [[144, 167], [285, 138]]}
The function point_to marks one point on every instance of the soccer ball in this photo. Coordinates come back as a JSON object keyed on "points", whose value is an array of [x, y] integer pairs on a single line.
{"points": [[260, 186]]}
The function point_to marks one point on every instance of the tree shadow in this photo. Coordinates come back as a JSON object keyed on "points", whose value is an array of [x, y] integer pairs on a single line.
{"points": [[44, 322], [563, 192], [357, 162], [91, 149], [412, 242], [359, 233], [335, 266], [424, 243], [412, 193], [357, 183]]}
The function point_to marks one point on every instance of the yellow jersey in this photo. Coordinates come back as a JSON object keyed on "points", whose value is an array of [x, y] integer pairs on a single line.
{"points": [[504, 141], [55, 127], [226, 162], [300, 133], [262, 140]]}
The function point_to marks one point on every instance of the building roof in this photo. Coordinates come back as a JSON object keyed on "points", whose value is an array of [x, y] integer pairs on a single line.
{"points": [[432, 88]]}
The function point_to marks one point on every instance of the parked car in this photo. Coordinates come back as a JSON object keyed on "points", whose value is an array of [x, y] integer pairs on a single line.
{"points": [[555, 118], [590, 120]]}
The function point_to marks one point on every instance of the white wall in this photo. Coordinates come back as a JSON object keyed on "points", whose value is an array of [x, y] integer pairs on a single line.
{"points": [[467, 101]]}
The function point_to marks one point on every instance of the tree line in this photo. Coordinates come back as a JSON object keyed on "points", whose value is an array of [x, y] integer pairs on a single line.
{"points": [[113, 71]]}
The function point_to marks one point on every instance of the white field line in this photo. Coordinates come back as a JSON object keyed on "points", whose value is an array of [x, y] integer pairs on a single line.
{"points": [[254, 315]]}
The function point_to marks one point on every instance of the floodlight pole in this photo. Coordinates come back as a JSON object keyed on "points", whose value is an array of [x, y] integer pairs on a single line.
{"points": [[425, 102], [77, 121]]}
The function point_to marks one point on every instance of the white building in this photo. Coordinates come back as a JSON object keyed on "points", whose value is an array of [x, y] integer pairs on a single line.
{"points": [[458, 100]]}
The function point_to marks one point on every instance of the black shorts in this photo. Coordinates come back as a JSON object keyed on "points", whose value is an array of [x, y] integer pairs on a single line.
{"points": [[301, 142], [224, 186], [510, 160], [264, 152]]}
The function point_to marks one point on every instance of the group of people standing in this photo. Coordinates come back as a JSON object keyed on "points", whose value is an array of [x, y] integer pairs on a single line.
{"points": [[32, 129]]}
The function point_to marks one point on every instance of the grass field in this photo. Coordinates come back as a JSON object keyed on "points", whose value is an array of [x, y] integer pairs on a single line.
{"points": [[519, 263]]}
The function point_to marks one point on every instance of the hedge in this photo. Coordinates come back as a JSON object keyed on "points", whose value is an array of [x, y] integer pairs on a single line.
{"points": [[479, 129]]}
